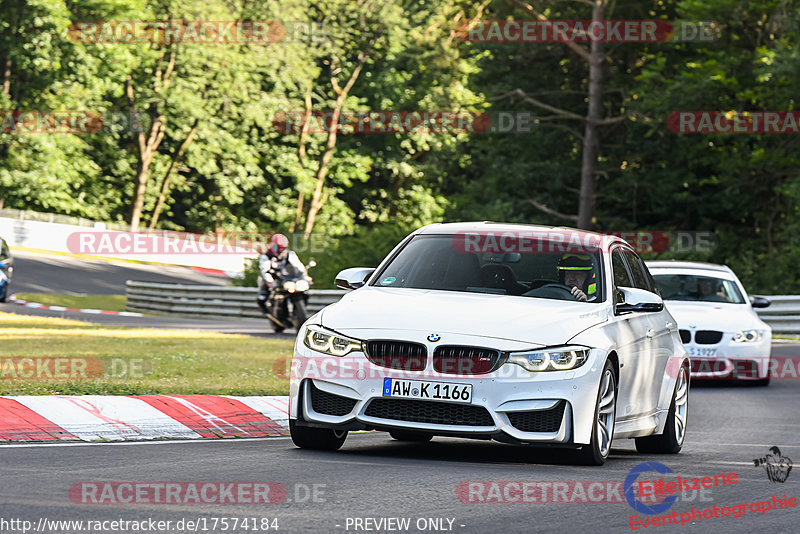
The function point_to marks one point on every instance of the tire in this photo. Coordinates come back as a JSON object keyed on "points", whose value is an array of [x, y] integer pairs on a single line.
{"points": [[410, 435], [6, 293], [671, 440], [300, 314], [320, 439], [277, 310], [605, 416], [276, 327], [763, 382]]}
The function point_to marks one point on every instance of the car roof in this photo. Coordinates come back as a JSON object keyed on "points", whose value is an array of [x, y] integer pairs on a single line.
{"points": [[500, 227], [689, 265]]}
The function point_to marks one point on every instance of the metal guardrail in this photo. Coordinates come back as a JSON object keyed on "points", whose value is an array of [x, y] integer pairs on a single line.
{"points": [[202, 300], [27, 215], [783, 315]]}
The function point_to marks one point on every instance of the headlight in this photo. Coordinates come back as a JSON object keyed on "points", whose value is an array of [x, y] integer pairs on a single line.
{"points": [[301, 285], [289, 286], [551, 359], [747, 336], [329, 343]]}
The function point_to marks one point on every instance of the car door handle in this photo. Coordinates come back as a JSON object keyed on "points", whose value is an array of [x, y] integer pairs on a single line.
{"points": [[650, 333]]}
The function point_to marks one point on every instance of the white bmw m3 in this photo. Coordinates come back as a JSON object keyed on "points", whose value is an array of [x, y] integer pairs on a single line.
{"points": [[522, 334], [718, 325]]}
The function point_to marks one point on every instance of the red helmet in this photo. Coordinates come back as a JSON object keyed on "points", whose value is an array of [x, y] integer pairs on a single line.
{"points": [[278, 243]]}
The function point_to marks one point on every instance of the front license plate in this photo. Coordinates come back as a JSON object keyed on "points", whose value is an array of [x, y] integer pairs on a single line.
{"points": [[697, 351], [417, 389]]}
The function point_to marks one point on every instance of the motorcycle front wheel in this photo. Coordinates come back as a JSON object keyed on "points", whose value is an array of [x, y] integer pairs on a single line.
{"points": [[277, 313], [300, 313]]}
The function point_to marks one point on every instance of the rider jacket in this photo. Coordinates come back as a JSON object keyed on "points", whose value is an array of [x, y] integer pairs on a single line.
{"points": [[286, 265]]}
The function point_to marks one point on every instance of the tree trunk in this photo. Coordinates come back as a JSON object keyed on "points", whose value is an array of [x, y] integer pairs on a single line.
{"points": [[7, 77], [301, 156], [147, 149], [149, 145], [317, 200], [141, 188], [591, 139], [162, 197]]}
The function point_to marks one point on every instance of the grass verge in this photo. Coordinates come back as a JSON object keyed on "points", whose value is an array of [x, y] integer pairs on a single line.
{"points": [[97, 302], [138, 361]]}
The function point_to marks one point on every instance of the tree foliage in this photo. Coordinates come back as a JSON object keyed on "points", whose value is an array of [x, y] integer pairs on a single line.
{"points": [[190, 143]]}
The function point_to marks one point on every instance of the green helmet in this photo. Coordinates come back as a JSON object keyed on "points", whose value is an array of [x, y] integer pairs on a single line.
{"points": [[575, 262], [579, 262]]}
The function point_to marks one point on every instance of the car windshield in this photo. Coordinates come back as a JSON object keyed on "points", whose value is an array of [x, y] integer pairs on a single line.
{"points": [[442, 262], [703, 288]]}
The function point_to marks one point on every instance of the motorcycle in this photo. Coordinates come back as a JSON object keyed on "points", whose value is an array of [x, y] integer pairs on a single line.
{"points": [[288, 289]]}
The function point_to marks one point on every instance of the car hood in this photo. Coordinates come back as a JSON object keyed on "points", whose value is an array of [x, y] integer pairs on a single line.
{"points": [[720, 316], [531, 320]]}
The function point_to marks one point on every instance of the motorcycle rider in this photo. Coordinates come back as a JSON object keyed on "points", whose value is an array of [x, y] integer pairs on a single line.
{"points": [[277, 259]]}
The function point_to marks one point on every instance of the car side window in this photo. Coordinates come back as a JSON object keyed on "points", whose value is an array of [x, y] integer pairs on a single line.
{"points": [[621, 276], [638, 271], [650, 279]]}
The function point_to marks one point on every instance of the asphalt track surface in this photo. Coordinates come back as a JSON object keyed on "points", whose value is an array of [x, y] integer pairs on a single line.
{"points": [[251, 327], [44, 273], [376, 478], [373, 476]]}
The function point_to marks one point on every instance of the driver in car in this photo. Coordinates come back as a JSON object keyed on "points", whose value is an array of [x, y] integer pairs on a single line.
{"points": [[576, 271], [710, 290]]}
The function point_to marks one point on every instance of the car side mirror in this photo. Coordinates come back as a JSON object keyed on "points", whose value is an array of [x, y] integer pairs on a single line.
{"points": [[760, 302], [638, 300], [353, 278], [311, 264]]}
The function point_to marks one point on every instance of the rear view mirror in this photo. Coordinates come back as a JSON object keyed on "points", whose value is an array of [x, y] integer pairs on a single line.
{"points": [[353, 278], [760, 302], [638, 300]]}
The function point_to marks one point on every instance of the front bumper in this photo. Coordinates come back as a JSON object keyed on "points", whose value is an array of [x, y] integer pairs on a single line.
{"points": [[728, 360], [509, 404]]}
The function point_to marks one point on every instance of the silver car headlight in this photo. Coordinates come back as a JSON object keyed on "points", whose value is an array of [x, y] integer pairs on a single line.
{"points": [[327, 342], [551, 359], [747, 336]]}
